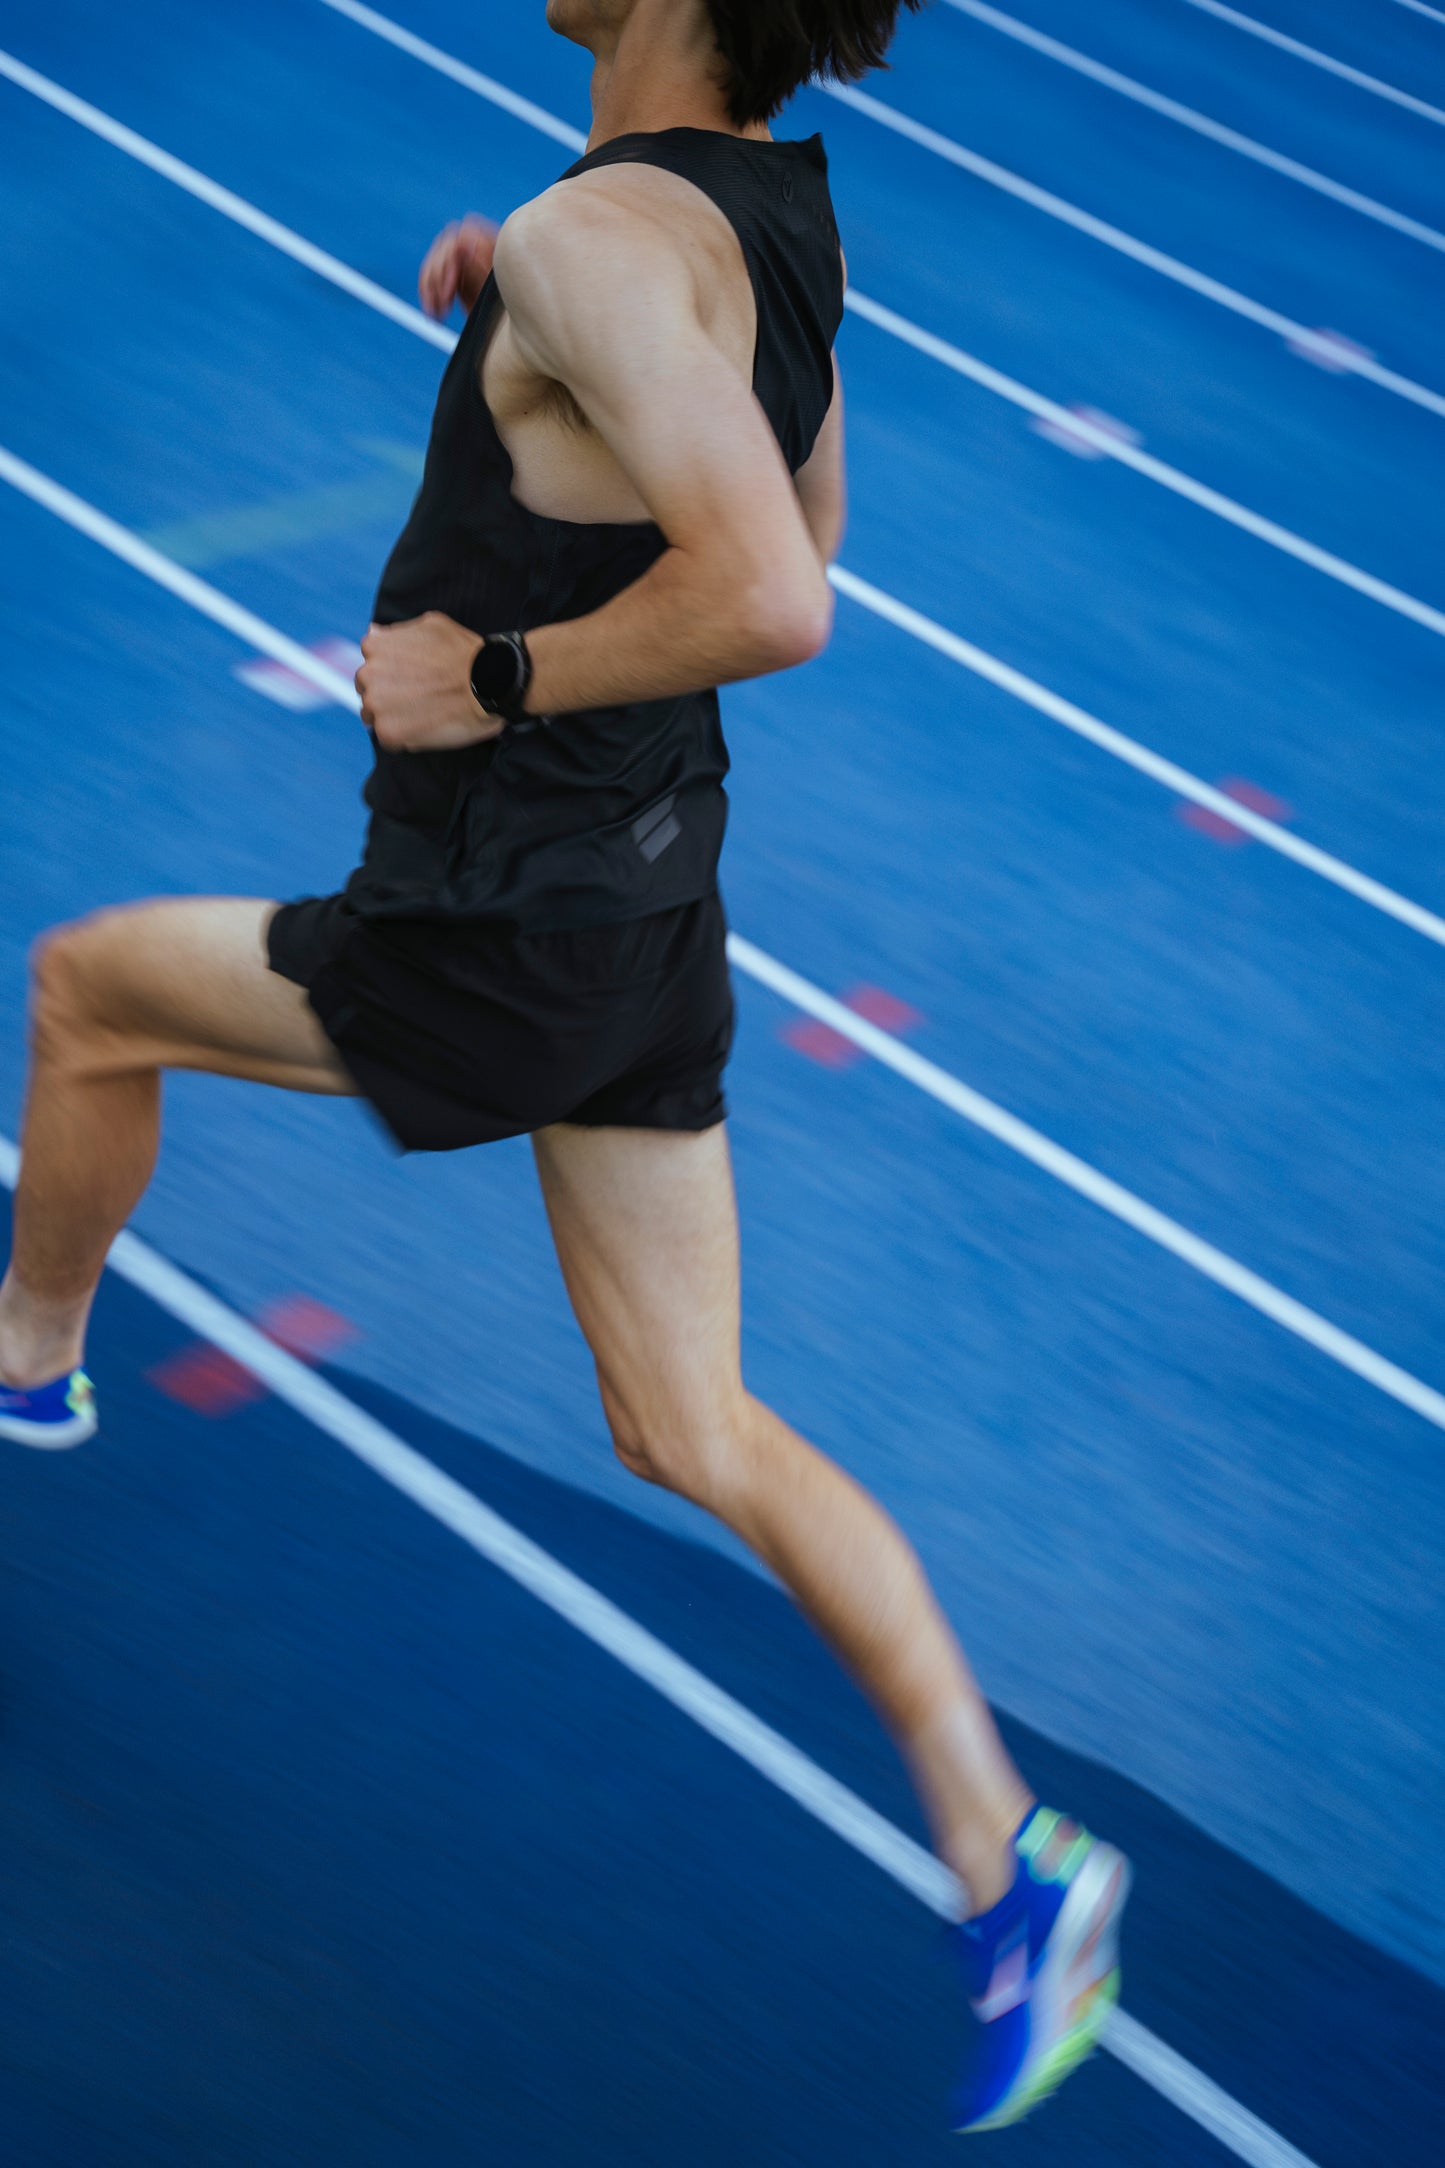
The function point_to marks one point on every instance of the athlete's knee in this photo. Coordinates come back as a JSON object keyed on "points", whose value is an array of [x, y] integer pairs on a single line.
{"points": [[700, 1454], [629, 1435], [64, 1010]]}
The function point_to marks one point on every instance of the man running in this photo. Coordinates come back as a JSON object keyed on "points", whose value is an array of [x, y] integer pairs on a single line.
{"points": [[633, 488]]}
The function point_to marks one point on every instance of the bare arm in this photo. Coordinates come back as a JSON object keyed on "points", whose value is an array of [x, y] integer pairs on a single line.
{"points": [[822, 487], [602, 297], [608, 306]]}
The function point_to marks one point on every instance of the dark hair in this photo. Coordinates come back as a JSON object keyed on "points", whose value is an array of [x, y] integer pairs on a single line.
{"points": [[773, 47]]}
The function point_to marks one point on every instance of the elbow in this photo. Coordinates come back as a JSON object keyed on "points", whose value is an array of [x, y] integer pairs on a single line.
{"points": [[791, 623]]}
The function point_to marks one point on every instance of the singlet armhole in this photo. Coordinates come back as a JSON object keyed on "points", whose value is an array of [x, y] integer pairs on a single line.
{"points": [[496, 310], [744, 255], [547, 521]]}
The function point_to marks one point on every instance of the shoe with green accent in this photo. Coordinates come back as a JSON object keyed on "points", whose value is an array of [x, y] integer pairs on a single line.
{"points": [[58, 1414], [1041, 1970]]}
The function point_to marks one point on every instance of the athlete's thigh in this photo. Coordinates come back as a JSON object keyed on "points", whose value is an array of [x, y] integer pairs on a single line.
{"points": [[645, 1224], [184, 983]]}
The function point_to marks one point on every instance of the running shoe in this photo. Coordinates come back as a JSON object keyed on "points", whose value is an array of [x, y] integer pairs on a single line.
{"points": [[60, 1413], [1041, 1970]]}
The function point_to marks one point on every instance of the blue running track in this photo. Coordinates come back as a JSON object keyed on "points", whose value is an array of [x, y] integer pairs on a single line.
{"points": [[327, 1843]]}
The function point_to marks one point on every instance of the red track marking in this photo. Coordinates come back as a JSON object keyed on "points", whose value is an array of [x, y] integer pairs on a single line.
{"points": [[1258, 801], [828, 1048], [305, 1328], [805, 1035], [209, 1383], [206, 1381], [884, 1010], [1222, 830]]}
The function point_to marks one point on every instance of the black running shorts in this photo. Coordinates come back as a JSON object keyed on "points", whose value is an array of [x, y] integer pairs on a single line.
{"points": [[460, 1032]]}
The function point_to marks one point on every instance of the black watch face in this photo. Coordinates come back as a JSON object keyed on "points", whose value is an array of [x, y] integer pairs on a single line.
{"points": [[496, 675]]}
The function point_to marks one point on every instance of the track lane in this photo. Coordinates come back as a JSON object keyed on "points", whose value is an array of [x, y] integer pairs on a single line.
{"points": [[1104, 441]]}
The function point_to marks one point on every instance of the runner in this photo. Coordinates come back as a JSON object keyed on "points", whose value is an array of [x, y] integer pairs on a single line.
{"points": [[633, 489]]}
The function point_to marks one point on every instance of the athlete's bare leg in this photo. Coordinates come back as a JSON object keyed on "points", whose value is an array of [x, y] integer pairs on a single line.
{"points": [[646, 1231], [117, 998]]}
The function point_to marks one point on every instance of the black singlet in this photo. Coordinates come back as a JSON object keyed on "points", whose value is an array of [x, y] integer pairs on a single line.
{"points": [[616, 813]]}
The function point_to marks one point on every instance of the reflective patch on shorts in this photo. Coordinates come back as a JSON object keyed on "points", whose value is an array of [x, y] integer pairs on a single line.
{"points": [[654, 830]]}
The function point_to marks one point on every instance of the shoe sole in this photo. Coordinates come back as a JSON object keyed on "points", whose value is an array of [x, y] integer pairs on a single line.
{"points": [[48, 1437], [1075, 1989]]}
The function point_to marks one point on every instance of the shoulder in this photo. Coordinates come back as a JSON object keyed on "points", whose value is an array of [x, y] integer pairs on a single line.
{"points": [[628, 258], [624, 219], [583, 268]]}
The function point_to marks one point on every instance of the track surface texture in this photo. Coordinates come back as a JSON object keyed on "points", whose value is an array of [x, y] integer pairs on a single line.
{"points": [[325, 1840]]}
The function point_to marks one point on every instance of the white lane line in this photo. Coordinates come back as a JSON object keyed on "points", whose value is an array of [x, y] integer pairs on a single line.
{"points": [[1241, 2132], [613, 1630], [223, 200], [982, 373], [1418, 7], [1069, 57], [201, 596], [485, 86], [1173, 479], [868, 597], [1126, 244], [1134, 755], [525, 1562], [1317, 59], [884, 319], [1099, 1189], [257, 634], [949, 1091], [860, 591], [984, 169]]}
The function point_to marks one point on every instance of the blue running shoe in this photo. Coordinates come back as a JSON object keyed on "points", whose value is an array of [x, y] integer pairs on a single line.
{"points": [[60, 1413], [1041, 1970]]}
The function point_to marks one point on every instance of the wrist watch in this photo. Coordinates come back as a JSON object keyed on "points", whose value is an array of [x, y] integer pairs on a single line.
{"points": [[500, 675]]}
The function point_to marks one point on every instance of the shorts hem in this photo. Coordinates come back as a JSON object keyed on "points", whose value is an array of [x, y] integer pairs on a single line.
{"points": [[438, 1063]]}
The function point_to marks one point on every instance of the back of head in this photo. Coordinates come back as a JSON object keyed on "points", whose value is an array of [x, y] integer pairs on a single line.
{"points": [[773, 47]]}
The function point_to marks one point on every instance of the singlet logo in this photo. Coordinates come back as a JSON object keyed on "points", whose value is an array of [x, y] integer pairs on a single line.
{"points": [[653, 830]]}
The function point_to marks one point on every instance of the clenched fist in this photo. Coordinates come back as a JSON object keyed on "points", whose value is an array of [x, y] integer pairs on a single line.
{"points": [[457, 264], [415, 686]]}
